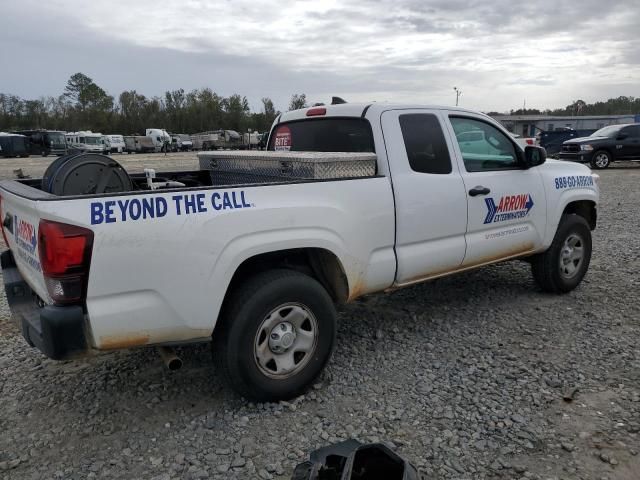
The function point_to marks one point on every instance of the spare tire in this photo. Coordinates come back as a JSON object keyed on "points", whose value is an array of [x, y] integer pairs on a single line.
{"points": [[85, 173]]}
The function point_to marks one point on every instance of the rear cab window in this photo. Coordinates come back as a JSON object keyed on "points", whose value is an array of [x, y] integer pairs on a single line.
{"points": [[329, 134], [425, 144]]}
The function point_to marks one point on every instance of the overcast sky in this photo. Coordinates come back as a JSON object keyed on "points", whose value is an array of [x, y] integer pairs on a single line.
{"points": [[499, 53]]}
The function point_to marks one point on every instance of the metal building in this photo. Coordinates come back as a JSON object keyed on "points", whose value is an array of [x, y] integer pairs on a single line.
{"points": [[530, 125]]}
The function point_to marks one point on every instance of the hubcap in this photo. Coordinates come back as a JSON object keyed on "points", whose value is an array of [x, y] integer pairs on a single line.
{"points": [[602, 160], [286, 340], [571, 255]]}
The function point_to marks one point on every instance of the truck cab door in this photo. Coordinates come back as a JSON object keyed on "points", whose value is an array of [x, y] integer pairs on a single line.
{"points": [[430, 199], [628, 143], [506, 203]]}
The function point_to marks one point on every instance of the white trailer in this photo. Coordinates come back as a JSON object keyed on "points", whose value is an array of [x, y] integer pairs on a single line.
{"points": [[181, 142], [115, 143], [86, 141], [251, 140], [205, 140]]}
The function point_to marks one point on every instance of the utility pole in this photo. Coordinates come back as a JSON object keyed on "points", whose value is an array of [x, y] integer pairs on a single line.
{"points": [[458, 93]]}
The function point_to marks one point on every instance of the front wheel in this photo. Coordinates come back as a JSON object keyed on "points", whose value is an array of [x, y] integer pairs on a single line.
{"points": [[601, 159], [275, 336], [564, 264]]}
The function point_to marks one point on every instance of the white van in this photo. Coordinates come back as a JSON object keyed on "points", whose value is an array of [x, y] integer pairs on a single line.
{"points": [[159, 137], [115, 143], [85, 141]]}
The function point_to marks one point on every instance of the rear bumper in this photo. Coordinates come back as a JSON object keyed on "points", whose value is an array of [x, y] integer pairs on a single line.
{"points": [[58, 332]]}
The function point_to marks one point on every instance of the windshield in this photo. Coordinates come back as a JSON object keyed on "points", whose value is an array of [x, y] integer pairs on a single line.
{"points": [[91, 140], [610, 131], [56, 138], [323, 135]]}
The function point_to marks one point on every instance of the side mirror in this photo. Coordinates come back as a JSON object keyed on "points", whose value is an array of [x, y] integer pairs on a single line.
{"points": [[622, 136], [534, 156]]}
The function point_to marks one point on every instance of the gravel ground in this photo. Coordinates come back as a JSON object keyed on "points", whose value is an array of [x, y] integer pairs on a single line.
{"points": [[465, 376]]}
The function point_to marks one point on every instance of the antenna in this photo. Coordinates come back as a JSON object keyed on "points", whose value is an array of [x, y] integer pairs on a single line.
{"points": [[458, 93]]}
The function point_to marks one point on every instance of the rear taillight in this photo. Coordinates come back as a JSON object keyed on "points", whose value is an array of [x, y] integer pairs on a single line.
{"points": [[530, 141], [314, 112], [65, 255]]}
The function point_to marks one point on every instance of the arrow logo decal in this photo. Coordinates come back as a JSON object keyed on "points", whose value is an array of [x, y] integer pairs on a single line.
{"points": [[510, 207]]}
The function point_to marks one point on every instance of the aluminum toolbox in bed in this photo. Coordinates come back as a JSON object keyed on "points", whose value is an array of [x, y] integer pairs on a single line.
{"points": [[229, 167]]}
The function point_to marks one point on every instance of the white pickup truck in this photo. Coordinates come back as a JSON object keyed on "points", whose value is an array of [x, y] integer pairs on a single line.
{"points": [[257, 267]]}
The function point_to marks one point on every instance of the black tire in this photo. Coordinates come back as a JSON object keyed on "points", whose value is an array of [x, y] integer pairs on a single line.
{"points": [[601, 159], [44, 153], [546, 267], [237, 333]]}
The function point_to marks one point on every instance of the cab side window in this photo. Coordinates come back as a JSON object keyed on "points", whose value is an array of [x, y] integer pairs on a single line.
{"points": [[483, 146], [425, 143], [632, 131]]}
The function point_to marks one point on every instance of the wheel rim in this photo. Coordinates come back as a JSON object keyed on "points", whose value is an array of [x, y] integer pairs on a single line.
{"points": [[571, 256], [285, 340], [602, 160]]}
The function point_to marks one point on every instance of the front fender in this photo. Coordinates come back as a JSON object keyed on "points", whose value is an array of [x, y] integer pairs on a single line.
{"points": [[561, 203]]}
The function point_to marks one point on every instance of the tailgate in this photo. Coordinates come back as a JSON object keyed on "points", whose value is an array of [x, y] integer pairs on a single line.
{"points": [[20, 219]]}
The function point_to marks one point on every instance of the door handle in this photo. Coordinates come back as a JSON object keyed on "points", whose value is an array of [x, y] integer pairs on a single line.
{"points": [[479, 190]]}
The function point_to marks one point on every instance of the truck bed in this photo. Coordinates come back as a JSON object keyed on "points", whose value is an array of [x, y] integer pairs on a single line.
{"points": [[193, 179], [217, 169]]}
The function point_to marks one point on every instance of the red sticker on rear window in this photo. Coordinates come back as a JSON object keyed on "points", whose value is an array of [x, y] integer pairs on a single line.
{"points": [[283, 138]]}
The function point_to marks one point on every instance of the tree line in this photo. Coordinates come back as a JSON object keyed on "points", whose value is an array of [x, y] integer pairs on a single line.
{"points": [[613, 106], [84, 105]]}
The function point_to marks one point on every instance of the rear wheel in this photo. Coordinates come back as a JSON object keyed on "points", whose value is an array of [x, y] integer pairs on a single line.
{"points": [[601, 159], [275, 335], [564, 264]]}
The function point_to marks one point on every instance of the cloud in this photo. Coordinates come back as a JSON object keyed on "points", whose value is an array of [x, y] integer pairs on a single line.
{"points": [[498, 53]]}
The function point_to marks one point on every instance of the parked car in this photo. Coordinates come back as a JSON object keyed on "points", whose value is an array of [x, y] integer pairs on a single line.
{"points": [[552, 140], [13, 145], [609, 144], [91, 272], [523, 141], [45, 142]]}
